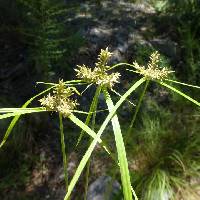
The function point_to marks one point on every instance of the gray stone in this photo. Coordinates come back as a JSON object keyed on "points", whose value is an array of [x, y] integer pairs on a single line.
{"points": [[104, 188], [116, 57], [167, 47]]}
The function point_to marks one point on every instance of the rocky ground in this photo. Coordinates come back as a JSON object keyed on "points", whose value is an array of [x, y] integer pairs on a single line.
{"points": [[121, 26]]}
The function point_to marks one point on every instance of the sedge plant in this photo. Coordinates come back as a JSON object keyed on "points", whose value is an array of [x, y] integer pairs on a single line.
{"points": [[59, 99]]}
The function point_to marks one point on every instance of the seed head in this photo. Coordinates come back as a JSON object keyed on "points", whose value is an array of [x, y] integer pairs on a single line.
{"points": [[99, 74], [103, 59], [60, 101], [152, 71]]}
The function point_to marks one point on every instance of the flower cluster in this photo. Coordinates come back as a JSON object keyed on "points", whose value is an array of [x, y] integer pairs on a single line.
{"points": [[60, 101], [152, 71], [99, 74], [103, 59]]}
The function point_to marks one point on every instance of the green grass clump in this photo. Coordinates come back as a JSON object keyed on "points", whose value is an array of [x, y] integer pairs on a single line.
{"points": [[166, 157]]}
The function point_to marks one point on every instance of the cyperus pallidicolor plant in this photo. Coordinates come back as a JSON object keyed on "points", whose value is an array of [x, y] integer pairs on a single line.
{"points": [[60, 100]]}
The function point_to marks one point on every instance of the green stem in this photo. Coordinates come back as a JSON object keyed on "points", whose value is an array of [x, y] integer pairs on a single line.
{"points": [[136, 112], [94, 108], [62, 139]]}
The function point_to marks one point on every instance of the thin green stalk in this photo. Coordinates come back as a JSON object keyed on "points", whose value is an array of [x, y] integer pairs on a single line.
{"points": [[86, 113], [136, 111], [95, 100], [118, 94], [64, 156], [89, 151], [92, 107]]}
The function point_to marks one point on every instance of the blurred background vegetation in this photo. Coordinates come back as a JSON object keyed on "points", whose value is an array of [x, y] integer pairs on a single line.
{"points": [[44, 40]]}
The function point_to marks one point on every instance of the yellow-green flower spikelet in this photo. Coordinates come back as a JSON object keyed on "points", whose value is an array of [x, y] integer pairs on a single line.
{"points": [[60, 100], [99, 74], [152, 71]]}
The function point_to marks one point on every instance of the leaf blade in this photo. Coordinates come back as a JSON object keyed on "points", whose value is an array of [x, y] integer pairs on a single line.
{"points": [[16, 118], [180, 93], [181, 83], [123, 163], [7, 115]]}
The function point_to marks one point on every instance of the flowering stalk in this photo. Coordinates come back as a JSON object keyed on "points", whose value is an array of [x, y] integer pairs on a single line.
{"points": [[64, 155], [136, 112]]}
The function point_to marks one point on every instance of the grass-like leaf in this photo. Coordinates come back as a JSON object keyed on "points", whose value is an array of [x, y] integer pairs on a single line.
{"points": [[134, 194], [22, 112], [89, 131], [158, 187], [121, 152], [16, 118], [94, 142], [180, 93], [181, 83]]}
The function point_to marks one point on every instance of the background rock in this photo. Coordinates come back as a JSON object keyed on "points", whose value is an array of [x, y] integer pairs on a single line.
{"points": [[104, 188]]}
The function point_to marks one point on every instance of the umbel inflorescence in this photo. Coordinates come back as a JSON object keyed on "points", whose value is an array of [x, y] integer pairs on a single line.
{"points": [[99, 74], [152, 71], [60, 101]]}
